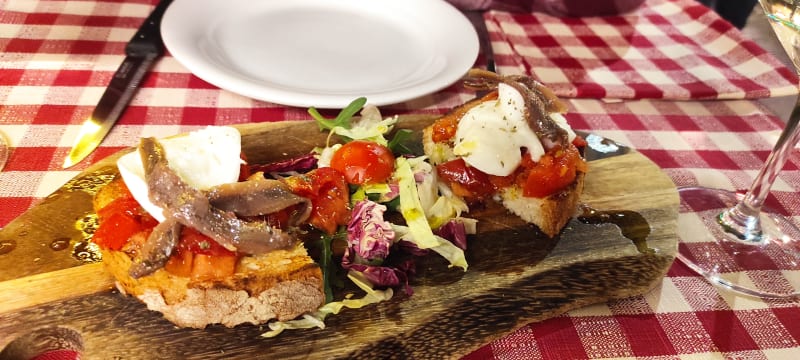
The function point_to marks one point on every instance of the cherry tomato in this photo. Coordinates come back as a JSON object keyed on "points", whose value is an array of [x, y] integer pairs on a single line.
{"points": [[466, 180], [363, 162], [329, 195]]}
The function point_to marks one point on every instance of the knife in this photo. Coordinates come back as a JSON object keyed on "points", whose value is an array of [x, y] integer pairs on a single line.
{"points": [[140, 53]]}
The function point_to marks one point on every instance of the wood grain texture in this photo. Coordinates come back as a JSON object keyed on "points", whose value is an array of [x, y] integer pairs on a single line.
{"points": [[515, 276]]}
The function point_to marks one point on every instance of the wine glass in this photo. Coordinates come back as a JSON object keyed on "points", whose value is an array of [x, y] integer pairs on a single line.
{"points": [[733, 239], [4, 151]]}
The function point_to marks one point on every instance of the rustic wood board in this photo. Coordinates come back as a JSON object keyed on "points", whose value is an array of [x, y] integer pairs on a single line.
{"points": [[515, 275]]}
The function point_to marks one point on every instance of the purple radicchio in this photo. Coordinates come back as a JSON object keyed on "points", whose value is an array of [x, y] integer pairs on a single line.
{"points": [[369, 236], [388, 277], [454, 231], [301, 164]]}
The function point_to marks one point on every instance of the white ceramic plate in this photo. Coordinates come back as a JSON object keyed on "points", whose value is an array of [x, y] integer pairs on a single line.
{"points": [[322, 53]]}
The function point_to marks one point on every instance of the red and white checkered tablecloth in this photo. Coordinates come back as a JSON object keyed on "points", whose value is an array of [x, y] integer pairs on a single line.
{"points": [[717, 144], [56, 57], [667, 49]]}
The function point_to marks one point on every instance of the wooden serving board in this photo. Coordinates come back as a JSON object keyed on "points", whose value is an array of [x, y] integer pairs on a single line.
{"points": [[516, 275]]}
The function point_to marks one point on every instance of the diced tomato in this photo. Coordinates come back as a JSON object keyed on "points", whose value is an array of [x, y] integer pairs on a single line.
{"points": [[115, 230], [210, 267], [579, 142], [466, 180], [329, 195], [363, 162], [553, 172], [244, 169], [444, 128], [119, 220], [195, 242], [198, 256], [180, 263]]}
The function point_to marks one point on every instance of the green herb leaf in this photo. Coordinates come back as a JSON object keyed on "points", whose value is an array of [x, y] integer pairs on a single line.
{"points": [[401, 142], [326, 265], [341, 120]]}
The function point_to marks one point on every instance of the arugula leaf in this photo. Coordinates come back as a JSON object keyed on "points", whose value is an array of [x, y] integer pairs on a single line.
{"points": [[327, 266], [399, 144], [341, 120]]}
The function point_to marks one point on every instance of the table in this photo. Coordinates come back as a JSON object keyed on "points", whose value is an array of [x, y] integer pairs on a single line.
{"points": [[672, 80]]}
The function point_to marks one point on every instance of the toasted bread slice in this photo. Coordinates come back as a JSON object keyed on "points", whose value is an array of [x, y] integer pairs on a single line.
{"points": [[281, 284], [549, 214]]}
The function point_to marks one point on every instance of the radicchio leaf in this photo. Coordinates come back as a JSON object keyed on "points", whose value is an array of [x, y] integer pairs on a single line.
{"points": [[455, 232], [301, 164], [388, 277], [369, 236]]}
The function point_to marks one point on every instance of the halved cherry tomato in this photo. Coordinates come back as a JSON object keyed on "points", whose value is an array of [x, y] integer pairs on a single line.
{"points": [[466, 180], [363, 162], [329, 195]]}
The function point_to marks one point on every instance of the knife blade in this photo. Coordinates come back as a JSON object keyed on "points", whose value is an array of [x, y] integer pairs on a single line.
{"points": [[144, 48]]}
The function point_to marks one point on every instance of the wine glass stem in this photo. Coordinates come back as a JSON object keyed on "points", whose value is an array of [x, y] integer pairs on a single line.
{"points": [[743, 220]]}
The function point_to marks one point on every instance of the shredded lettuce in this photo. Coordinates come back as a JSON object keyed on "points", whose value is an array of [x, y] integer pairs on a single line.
{"points": [[411, 207], [418, 230], [369, 127], [439, 209], [380, 192], [368, 130], [317, 319], [326, 154], [443, 247]]}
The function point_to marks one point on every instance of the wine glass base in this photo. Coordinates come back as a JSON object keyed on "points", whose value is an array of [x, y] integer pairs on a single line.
{"points": [[768, 268]]}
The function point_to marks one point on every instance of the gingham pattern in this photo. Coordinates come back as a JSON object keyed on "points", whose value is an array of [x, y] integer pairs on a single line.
{"points": [[57, 56], [668, 49], [718, 144]]}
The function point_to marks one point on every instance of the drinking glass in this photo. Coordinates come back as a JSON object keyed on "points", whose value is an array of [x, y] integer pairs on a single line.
{"points": [[4, 150], [733, 239]]}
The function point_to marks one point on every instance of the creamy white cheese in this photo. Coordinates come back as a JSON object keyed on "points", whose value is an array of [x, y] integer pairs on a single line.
{"points": [[202, 158], [490, 136]]}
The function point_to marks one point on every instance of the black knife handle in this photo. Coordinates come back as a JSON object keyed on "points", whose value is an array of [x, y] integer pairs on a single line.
{"points": [[147, 40]]}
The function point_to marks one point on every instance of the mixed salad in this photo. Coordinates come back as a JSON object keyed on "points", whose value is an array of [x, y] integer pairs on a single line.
{"points": [[377, 200]]}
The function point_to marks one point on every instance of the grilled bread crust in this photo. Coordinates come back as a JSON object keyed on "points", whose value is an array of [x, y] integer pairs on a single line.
{"points": [[281, 284]]}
